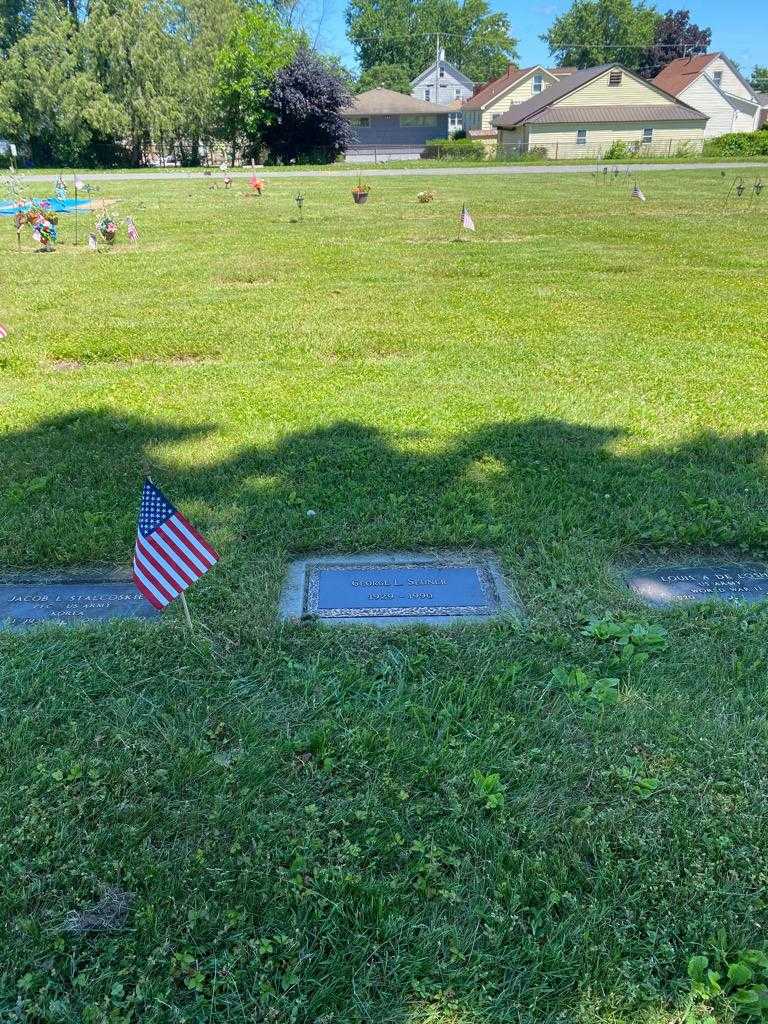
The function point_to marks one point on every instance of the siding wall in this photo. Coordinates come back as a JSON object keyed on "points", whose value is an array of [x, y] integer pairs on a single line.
{"points": [[518, 92], [599, 93], [560, 140], [386, 130], [447, 88], [724, 116]]}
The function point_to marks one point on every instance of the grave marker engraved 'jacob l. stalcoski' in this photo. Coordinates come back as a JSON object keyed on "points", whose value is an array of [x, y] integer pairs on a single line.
{"points": [[388, 589], [33, 602], [742, 583]]}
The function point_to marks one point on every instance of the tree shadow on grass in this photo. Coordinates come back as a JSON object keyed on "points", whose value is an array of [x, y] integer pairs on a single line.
{"points": [[542, 491]]}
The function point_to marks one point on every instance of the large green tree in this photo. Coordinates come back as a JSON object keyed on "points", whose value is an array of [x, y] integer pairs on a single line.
{"points": [[404, 33], [51, 100], [260, 44], [601, 31], [759, 79]]}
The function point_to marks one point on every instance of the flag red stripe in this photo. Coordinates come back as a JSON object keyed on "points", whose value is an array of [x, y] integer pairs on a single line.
{"points": [[188, 544], [174, 541], [198, 536], [183, 565], [159, 576], [181, 578], [151, 578], [146, 592]]}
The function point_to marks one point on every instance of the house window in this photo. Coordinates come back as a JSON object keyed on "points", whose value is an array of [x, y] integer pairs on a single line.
{"points": [[457, 93], [538, 83], [647, 135], [454, 121], [418, 121], [360, 122], [718, 78], [581, 136], [442, 71], [428, 94], [614, 79]]}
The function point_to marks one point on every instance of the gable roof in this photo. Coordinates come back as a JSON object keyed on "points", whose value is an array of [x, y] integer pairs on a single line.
{"points": [[684, 71], [454, 71], [681, 73], [532, 109], [386, 101], [496, 86]]}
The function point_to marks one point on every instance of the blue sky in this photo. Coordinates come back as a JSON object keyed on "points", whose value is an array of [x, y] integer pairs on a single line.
{"points": [[739, 29]]}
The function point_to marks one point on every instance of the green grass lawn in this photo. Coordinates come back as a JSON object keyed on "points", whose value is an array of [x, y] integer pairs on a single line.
{"points": [[415, 826]]}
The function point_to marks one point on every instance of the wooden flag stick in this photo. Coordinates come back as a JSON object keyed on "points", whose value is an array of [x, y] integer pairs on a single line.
{"points": [[185, 606]]}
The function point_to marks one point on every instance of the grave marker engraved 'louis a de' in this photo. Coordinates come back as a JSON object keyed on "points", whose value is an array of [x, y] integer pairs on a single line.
{"points": [[391, 589], [67, 601], [738, 582]]}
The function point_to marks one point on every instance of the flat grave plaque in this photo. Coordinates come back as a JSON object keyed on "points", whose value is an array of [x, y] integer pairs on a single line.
{"points": [[737, 582], [392, 589], [25, 603]]}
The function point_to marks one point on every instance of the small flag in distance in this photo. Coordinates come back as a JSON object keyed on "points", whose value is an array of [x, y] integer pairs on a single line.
{"points": [[466, 220], [170, 553], [133, 234], [637, 194], [92, 243], [3, 331]]}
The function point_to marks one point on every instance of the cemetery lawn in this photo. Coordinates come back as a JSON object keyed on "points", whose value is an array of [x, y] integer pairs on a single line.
{"points": [[417, 826]]}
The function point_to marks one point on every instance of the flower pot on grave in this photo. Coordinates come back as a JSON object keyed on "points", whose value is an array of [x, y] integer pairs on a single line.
{"points": [[359, 197]]}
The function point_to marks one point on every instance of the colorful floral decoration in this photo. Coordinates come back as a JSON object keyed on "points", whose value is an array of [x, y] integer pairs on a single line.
{"points": [[107, 228], [425, 197], [257, 184]]}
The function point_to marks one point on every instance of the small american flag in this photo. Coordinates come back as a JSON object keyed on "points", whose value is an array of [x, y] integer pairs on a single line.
{"points": [[133, 234], [3, 331], [92, 243], [466, 220], [637, 194], [170, 553]]}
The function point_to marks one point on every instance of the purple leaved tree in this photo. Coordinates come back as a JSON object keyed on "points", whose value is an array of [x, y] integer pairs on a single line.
{"points": [[305, 103]]}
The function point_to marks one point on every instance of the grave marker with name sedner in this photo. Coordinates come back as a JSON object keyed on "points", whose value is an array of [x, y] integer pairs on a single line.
{"points": [[66, 600], [397, 589], [742, 583]]}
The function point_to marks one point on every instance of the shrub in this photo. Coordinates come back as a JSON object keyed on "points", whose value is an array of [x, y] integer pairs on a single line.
{"points": [[617, 150], [738, 144], [453, 149]]}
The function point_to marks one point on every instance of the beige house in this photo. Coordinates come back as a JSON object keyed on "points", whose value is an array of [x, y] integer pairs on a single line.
{"points": [[589, 110], [713, 84], [500, 94]]}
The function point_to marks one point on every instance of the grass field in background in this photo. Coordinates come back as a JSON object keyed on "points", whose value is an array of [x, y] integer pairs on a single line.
{"points": [[414, 826]]}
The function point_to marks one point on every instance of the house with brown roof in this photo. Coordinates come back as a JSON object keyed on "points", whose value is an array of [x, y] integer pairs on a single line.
{"points": [[713, 84], [494, 98], [388, 125], [588, 111]]}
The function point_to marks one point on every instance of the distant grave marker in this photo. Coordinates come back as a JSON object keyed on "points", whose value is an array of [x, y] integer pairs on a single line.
{"points": [[68, 599], [737, 582], [398, 589]]}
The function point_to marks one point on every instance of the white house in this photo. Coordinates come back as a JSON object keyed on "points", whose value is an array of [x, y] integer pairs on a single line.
{"points": [[711, 83], [442, 83]]}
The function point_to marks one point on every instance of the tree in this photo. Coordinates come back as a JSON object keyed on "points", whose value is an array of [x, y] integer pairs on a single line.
{"points": [[246, 69], [51, 100], [403, 33], [390, 76], [675, 36], [759, 79], [601, 31], [305, 103]]}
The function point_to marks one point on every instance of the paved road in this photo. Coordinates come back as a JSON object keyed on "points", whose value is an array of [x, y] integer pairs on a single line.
{"points": [[421, 172]]}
